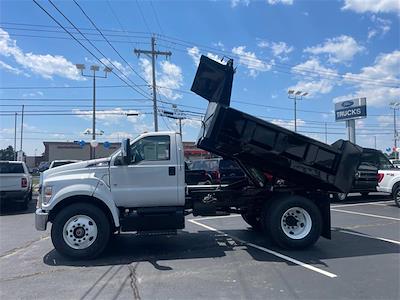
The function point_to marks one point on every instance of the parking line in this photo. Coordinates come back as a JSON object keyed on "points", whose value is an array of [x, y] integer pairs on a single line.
{"points": [[360, 204], [282, 256], [218, 217], [371, 237], [364, 214]]}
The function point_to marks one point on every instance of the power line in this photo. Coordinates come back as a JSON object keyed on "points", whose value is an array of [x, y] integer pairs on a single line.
{"points": [[119, 54], [95, 56], [156, 17], [143, 17]]}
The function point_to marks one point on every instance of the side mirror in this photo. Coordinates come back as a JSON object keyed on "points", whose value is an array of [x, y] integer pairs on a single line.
{"points": [[126, 151]]}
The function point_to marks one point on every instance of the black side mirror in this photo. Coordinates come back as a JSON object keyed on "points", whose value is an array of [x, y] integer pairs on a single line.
{"points": [[126, 151]]}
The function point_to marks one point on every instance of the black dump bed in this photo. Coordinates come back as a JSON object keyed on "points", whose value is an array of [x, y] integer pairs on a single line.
{"points": [[262, 147]]}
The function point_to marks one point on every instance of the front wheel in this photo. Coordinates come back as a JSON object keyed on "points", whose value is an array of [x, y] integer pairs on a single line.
{"points": [[396, 196], [293, 222], [81, 231]]}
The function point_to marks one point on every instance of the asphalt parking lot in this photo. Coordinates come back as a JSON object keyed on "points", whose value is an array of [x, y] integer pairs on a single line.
{"points": [[216, 257]]}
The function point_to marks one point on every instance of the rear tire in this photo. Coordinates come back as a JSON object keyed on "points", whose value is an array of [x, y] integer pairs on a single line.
{"points": [[293, 222], [80, 231], [340, 196], [396, 195], [253, 220]]}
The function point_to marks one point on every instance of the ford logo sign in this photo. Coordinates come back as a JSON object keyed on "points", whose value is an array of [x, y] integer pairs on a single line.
{"points": [[347, 103]]}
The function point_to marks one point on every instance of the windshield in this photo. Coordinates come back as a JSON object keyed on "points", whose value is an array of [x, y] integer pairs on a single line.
{"points": [[11, 168]]}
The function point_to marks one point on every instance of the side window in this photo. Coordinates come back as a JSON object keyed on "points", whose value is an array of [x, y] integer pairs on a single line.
{"points": [[151, 148], [384, 163]]}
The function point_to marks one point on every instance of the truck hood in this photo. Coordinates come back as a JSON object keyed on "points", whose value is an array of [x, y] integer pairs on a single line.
{"points": [[75, 167]]}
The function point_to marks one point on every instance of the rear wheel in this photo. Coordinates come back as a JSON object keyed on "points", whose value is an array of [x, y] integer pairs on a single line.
{"points": [[80, 230], [293, 222], [340, 196], [396, 195], [253, 220]]}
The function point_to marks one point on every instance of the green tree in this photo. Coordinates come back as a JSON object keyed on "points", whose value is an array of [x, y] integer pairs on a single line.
{"points": [[7, 153]]}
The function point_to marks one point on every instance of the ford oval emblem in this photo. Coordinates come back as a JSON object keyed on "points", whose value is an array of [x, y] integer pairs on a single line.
{"points": [[347, 103]]}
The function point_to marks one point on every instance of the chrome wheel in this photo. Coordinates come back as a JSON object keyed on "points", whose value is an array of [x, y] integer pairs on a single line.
{"points": [[80, 232], [296, 223]]}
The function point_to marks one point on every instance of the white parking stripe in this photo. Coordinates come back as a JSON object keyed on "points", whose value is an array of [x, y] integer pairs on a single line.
{"points": [[371, 237], [282, 256], [218, 217], [360, 204], [364, 214]]}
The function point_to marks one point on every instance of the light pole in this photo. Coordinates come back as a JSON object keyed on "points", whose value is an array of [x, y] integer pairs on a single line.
{"points": [[93, 68], [296, 95], [395, 106]]}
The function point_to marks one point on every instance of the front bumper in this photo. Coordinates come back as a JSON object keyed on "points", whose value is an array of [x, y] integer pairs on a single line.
{"points": [[41, 219]]}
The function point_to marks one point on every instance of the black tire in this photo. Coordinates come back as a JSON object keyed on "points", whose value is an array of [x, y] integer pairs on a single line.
{"points": [[273, 215], [100, 220], [364, 194], [253, 220], [396, 195]]}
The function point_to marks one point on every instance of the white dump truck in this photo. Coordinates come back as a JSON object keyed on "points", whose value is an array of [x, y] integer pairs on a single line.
{"points": [[141, 187]]}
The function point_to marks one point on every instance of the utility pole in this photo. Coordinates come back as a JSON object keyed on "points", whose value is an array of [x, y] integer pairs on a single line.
{"points": [[153, 53], [176, 114], [326, 134], [22, 126], [375, 141], [15, 136], [395, 106], [93, 68]]}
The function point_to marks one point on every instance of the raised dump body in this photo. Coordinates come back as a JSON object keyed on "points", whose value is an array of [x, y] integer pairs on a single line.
{"points": [[263, 147]]}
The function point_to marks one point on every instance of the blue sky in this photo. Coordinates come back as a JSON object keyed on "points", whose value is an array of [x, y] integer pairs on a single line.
{"points": [[334, 50]]}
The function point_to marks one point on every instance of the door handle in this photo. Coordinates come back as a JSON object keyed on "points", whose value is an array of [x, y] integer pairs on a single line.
{"points": [[171, 171]]}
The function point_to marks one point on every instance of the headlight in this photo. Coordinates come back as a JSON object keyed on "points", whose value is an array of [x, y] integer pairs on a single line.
{"points": [[48, 192]]}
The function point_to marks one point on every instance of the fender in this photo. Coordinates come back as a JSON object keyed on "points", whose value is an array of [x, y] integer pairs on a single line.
{"points": [[93, 188]]}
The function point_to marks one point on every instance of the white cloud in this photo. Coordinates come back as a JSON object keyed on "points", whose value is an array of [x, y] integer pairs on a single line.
{"points": [[109, 116], [250, 60], [220, 45], [235, 3], [11, 69], [385, 121], [168, 79], [381, 27], [310, 81], [286, 2], [379, 82], [374, 6], [195, 54], [45, 65], [281, 50], [339, 49], [263, 44], [289, 124], [32, 94]]}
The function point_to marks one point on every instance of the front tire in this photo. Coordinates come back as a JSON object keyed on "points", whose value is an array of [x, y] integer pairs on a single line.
{"points": [[340, 196], [80, 231], [293, 222], [396, 195]]}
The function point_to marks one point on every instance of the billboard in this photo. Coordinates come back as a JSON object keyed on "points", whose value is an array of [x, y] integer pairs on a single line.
{"points": [[351, 109]]}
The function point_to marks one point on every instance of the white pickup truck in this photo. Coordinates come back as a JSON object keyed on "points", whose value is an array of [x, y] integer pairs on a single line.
{"points": [[389, 182], [15, 183]]}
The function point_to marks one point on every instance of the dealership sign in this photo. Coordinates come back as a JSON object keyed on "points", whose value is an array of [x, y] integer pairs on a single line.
{"points": [[351, 109]]}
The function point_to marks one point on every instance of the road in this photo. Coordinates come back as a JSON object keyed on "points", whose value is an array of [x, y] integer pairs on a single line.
{"points": [[211, 258]]}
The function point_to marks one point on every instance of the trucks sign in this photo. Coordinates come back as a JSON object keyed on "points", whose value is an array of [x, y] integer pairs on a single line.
{"points": [[351, 109]]}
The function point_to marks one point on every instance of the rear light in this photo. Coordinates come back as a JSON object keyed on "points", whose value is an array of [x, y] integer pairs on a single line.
{"points": [[24, 182], [379, 177]]}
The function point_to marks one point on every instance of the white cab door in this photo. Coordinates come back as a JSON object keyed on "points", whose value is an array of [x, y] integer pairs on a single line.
{"points": [[151, 177]]}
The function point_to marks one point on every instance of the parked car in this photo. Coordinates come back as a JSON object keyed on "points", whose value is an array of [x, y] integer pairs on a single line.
{"points": [[222, 171], [196, 177], [43, 166], [389, 182], [58, 163], [365, 179], [15, 183]]}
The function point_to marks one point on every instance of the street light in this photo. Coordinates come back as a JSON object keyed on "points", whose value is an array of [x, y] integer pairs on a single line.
{"points": [[296, 95], [395, 106], [94, 69]]}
